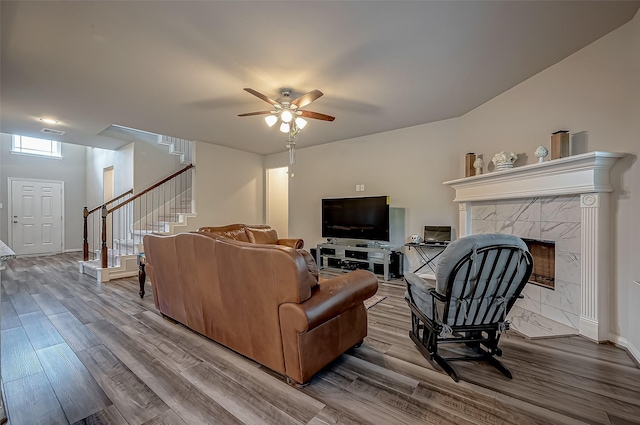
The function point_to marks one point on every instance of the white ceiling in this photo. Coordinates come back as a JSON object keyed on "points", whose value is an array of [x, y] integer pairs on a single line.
{"points": [[178, 68]]}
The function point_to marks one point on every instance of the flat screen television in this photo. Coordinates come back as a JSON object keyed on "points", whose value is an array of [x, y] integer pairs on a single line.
{"points": [[356, 218]]}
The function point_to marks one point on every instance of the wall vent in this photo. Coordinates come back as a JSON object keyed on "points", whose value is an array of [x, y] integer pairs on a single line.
{"points": [[52, 131]]}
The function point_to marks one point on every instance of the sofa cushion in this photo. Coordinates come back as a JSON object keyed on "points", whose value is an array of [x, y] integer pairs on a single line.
{"points": [[232, 231], [265, 235], [312, 267]]}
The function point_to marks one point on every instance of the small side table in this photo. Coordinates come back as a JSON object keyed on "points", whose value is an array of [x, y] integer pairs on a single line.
{"points": [[423, 251], [142, 276]]}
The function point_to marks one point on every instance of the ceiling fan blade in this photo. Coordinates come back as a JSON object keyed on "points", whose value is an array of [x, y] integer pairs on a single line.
{"points": [[316, 115], [255, 113], [306, 98], [261, 96]]}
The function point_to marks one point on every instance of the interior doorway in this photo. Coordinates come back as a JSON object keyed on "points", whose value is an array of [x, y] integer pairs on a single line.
{"points": [[277, 200], [36, 216]]}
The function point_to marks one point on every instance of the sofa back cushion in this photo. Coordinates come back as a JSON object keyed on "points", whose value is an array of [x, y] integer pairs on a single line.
{"points": [[232, 231], [262, 234]]}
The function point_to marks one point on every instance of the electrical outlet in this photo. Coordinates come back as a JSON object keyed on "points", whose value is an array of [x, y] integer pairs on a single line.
{"points": [[361, 188]]}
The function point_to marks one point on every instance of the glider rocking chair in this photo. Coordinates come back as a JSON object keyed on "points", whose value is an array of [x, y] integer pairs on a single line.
{"points": [[478, 279]]}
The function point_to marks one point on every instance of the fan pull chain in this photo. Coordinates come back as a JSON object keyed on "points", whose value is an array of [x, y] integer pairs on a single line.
{"points": [[291, 145]]}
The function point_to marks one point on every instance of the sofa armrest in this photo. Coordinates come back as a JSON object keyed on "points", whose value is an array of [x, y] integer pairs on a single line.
{"points": [[292, 243], [333, 297]]}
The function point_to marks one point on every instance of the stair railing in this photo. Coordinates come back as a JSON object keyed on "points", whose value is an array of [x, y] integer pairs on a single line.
{"points": [[150, 211], [91, 223]]}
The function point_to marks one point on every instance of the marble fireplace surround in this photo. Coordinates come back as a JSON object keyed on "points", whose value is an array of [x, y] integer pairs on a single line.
{"points": [[574, 191]]}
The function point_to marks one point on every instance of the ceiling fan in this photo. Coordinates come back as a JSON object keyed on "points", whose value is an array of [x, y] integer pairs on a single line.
{"points": [[289, 111]]}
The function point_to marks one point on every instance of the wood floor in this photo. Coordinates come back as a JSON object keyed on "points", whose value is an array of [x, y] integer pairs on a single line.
{"points": [[79, 352]]}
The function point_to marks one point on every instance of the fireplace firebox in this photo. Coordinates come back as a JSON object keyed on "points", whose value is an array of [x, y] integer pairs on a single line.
{"points": [[544, 262]]}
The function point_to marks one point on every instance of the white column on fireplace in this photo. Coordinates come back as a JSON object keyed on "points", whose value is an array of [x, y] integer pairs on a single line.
{"points": [[586, 175], [594, 250]]}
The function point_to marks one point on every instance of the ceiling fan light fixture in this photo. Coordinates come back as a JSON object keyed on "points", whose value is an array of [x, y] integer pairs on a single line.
{"points": [[271, 120], [284, 127], [286, 116], [300, 122]]}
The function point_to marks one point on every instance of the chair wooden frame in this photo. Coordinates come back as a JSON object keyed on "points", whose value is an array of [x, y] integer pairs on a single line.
{"points": [[427, 333]]}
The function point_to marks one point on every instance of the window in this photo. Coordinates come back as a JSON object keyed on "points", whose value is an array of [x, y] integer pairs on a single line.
{"points": [[33, 146]]}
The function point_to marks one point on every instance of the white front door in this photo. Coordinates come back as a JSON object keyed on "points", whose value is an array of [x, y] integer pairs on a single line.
{"points": [[36, 216]]}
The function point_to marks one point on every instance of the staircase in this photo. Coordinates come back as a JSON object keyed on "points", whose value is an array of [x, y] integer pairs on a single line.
{"points": [[177, 146], [113, 232]]}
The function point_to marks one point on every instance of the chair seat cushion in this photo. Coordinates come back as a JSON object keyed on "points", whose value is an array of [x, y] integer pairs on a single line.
{"points": [[420, 290]]}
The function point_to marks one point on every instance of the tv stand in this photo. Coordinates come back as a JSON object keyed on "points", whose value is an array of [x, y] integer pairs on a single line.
{"points": [[345, 256]]}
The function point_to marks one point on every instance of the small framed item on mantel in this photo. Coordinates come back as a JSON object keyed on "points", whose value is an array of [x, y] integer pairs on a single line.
{"points": [[469, 169], [560, 144]]}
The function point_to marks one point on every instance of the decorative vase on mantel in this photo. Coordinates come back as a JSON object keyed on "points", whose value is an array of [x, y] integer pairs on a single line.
{"points": [[478, 164], [541, 152], [504, 160]]}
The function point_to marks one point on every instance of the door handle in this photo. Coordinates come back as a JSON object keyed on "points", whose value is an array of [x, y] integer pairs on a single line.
{"points": [[15, 221]]}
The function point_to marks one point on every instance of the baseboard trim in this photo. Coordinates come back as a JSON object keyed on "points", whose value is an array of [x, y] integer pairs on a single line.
{"points": [[633, 351], [73, 250]]}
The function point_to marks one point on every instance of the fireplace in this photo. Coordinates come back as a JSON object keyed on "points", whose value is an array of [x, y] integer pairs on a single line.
{"points": [[565, 201], [551, 227], [544, 262]]}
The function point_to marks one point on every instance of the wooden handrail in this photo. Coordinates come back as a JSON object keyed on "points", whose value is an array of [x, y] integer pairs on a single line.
{"points": [[161, 182], [85, 214], [128, 192]]}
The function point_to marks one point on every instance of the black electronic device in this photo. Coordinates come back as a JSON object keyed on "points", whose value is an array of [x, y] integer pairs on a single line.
{"points": [[437, 235], [360, 255], [334, 262], [327, 251], [396, 261], [356, 218]]}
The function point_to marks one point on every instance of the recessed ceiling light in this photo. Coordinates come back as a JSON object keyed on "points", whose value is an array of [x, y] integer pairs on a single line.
{"points": [[49, 120]]}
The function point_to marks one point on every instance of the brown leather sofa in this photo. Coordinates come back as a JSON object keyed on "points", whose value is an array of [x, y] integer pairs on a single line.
{"points": [[260, 300], [254, 233]]}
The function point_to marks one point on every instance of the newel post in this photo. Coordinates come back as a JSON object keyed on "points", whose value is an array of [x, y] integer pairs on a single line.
{"points": [[85, 236], [104, 237]]}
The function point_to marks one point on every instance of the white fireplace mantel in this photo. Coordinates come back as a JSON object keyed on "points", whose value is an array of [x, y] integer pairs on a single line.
{"points": [[584, 173]]}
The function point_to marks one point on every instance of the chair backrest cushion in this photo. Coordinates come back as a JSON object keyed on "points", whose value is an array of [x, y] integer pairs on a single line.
{"points": [[482, 275]]}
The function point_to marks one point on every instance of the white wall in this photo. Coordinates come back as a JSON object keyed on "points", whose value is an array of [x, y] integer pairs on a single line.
{"points": [[409, 165], [70, 169], [592, 94], [228, 185], [97, 160], [137, 165], [151, 163]]}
